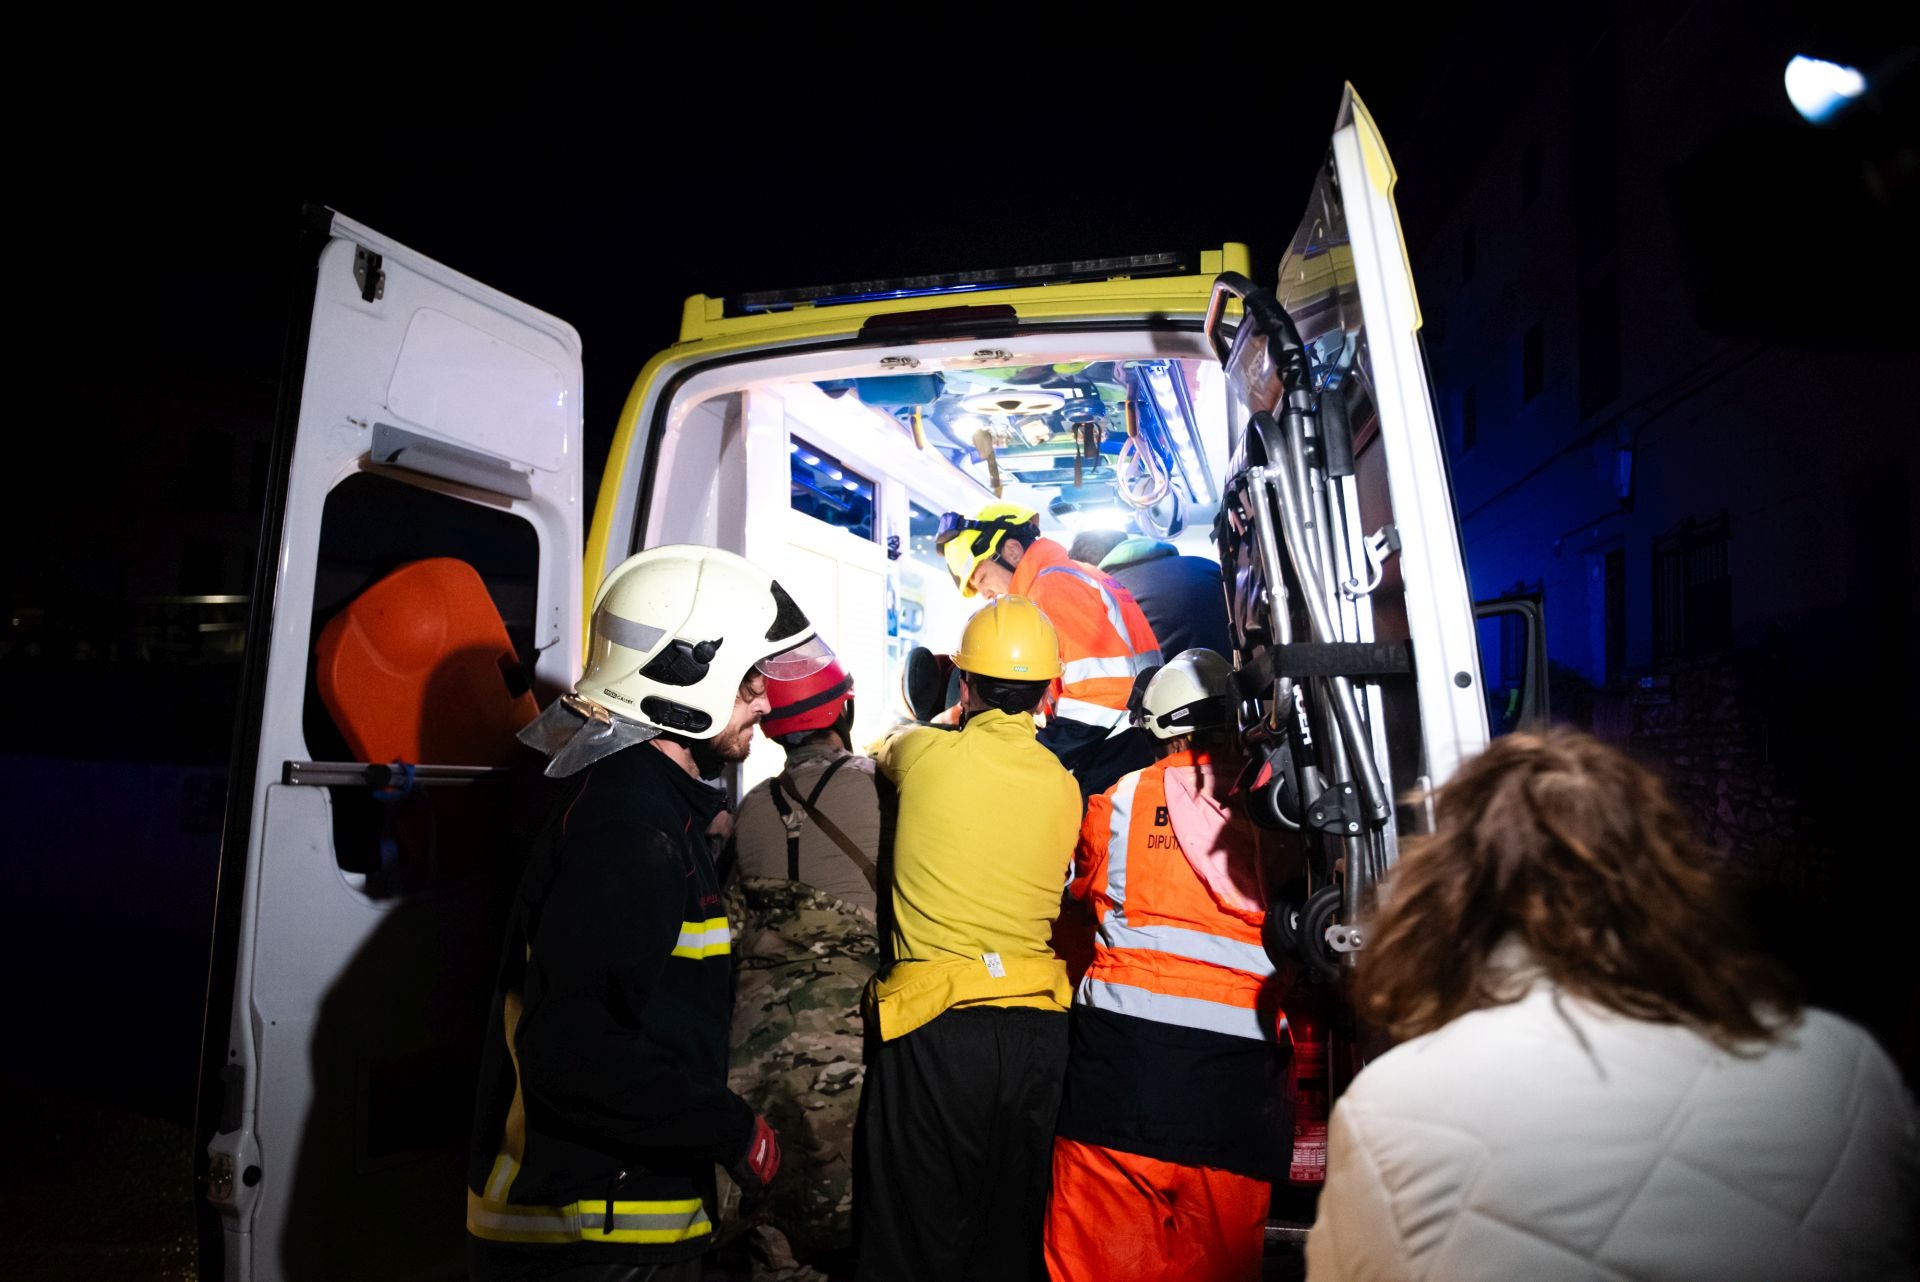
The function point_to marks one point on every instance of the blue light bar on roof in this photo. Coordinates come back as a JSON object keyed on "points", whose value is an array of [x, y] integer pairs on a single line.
{"points": [[870, 291]]}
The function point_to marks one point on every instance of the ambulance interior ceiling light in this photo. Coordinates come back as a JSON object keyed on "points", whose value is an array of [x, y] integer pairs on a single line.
{"points": [[1089, 510], [1819, 89]]}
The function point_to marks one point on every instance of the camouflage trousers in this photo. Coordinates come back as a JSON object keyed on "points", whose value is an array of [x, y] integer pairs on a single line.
{"points": [[802, 960]]}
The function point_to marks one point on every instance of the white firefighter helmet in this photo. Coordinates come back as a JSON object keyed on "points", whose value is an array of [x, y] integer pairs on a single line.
{"points": [[1193, 691], [675, 631]]}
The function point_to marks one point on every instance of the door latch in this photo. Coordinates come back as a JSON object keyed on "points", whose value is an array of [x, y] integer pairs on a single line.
{"points": [[368, 275]]}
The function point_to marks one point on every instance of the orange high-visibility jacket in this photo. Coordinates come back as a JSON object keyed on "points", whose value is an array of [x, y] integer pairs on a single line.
{"points": [[1179, 1043], [1105, 640]]}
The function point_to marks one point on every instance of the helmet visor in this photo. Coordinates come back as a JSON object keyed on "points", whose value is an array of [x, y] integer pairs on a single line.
{"points": [[951, 523], [795, 662]]}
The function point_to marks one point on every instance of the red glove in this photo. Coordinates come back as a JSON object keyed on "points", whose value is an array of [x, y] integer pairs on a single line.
{"points": [[756, 1168]]}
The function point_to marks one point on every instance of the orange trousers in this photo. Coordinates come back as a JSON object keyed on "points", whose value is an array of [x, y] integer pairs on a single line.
{"points": [[1118, 1217]]}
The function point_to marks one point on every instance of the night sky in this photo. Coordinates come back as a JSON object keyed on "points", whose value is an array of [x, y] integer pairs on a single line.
{"points": [[604, 166], [602, 163]]}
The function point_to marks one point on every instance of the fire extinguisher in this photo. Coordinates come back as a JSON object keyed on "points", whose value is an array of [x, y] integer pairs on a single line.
{"points": [[1308, 1018]]}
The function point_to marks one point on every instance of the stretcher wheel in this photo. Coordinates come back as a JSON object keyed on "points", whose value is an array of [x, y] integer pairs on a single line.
{"points": [[1320, 911], [1280, 933]]}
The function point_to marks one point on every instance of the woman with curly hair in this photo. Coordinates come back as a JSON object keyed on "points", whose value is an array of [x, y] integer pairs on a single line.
{"points": [[1599, 1077]]}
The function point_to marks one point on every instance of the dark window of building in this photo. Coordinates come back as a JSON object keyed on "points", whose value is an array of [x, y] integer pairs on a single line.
{"points": [[1599, 339], [1466, 254], [1533, 361], [1469, 419], [1692, 589], [1615, 588], [824, 489], [1530, 173]]}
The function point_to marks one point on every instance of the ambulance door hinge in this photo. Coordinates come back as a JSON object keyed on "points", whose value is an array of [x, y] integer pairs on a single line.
{"points": [[368, 275], [220, 1179]]}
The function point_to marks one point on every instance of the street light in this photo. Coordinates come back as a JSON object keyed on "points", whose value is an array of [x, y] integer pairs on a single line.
{"points": [[1818, 89]]}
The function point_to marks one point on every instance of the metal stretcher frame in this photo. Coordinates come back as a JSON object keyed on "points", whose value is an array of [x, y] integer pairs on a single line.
{"points": [[1294, 519]]}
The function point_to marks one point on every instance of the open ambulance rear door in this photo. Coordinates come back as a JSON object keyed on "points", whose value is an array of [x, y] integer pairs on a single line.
{"points": [[418, 588], [1340, 545]]}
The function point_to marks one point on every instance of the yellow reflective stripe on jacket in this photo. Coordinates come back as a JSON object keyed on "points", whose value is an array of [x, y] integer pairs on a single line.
{"points": [[675, 1220], [709, 938]]}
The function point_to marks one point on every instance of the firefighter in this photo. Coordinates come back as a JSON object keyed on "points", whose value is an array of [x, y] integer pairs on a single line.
{"points": [[603, 1102], [1173, 1121], [806, 854], [1105, 640], [961, 1096]]}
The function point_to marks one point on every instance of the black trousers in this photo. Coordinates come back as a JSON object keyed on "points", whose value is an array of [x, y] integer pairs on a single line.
{"points": [[488, 1262], [957, 1147]]}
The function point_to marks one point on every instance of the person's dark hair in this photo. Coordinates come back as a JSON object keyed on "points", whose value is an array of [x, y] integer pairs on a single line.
{"points": [[1092, 546], [1570, 847], [1024, 534], [1008, 696]]}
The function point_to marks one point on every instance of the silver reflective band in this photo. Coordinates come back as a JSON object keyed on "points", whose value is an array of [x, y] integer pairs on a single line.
{"points": [[1088, 669], [1137, 663], [1194, 945], [608, 626], [1118, 826], [1112, 720], [1181, 1012], [710, 938]]}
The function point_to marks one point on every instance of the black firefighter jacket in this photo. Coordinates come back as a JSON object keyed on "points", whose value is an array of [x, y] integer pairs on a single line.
{"points": [[603, 1101]]}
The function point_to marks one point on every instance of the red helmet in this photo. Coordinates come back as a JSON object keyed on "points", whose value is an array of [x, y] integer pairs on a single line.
{"points": [[807, 703]]}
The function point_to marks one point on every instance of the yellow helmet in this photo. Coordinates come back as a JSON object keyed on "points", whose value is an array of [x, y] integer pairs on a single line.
{"points": [[1010, 639], [969, 541]]}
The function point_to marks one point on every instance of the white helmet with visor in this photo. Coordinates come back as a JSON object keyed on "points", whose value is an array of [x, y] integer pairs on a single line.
{"points": [[675, 631]]}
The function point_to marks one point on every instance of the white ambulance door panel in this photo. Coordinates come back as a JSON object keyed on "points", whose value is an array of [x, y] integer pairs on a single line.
{"points": [[426, 416], [1346, 285], [1405, 454]]}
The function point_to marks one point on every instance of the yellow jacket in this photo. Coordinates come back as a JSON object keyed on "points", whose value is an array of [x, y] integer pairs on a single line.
{"points": [[982, 848]]}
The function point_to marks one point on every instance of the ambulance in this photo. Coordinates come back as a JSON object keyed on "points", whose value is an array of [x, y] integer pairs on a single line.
{"points": [[427, 560]]}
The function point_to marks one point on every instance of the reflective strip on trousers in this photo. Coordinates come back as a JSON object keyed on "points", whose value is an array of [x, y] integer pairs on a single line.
{"points": [[1161, 1008], [673, 1220], [709, 938], [1182, 941], [1113, 720]]}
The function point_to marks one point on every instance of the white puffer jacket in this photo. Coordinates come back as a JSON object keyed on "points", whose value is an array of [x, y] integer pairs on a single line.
{"points": [[1549, 1140]]}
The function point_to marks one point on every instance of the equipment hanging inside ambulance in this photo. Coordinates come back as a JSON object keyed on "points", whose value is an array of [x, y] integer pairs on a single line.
{"points": [[423, 573]]}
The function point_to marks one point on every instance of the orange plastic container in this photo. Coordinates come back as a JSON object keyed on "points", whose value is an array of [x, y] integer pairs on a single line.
{"points": [[419, 668]]}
